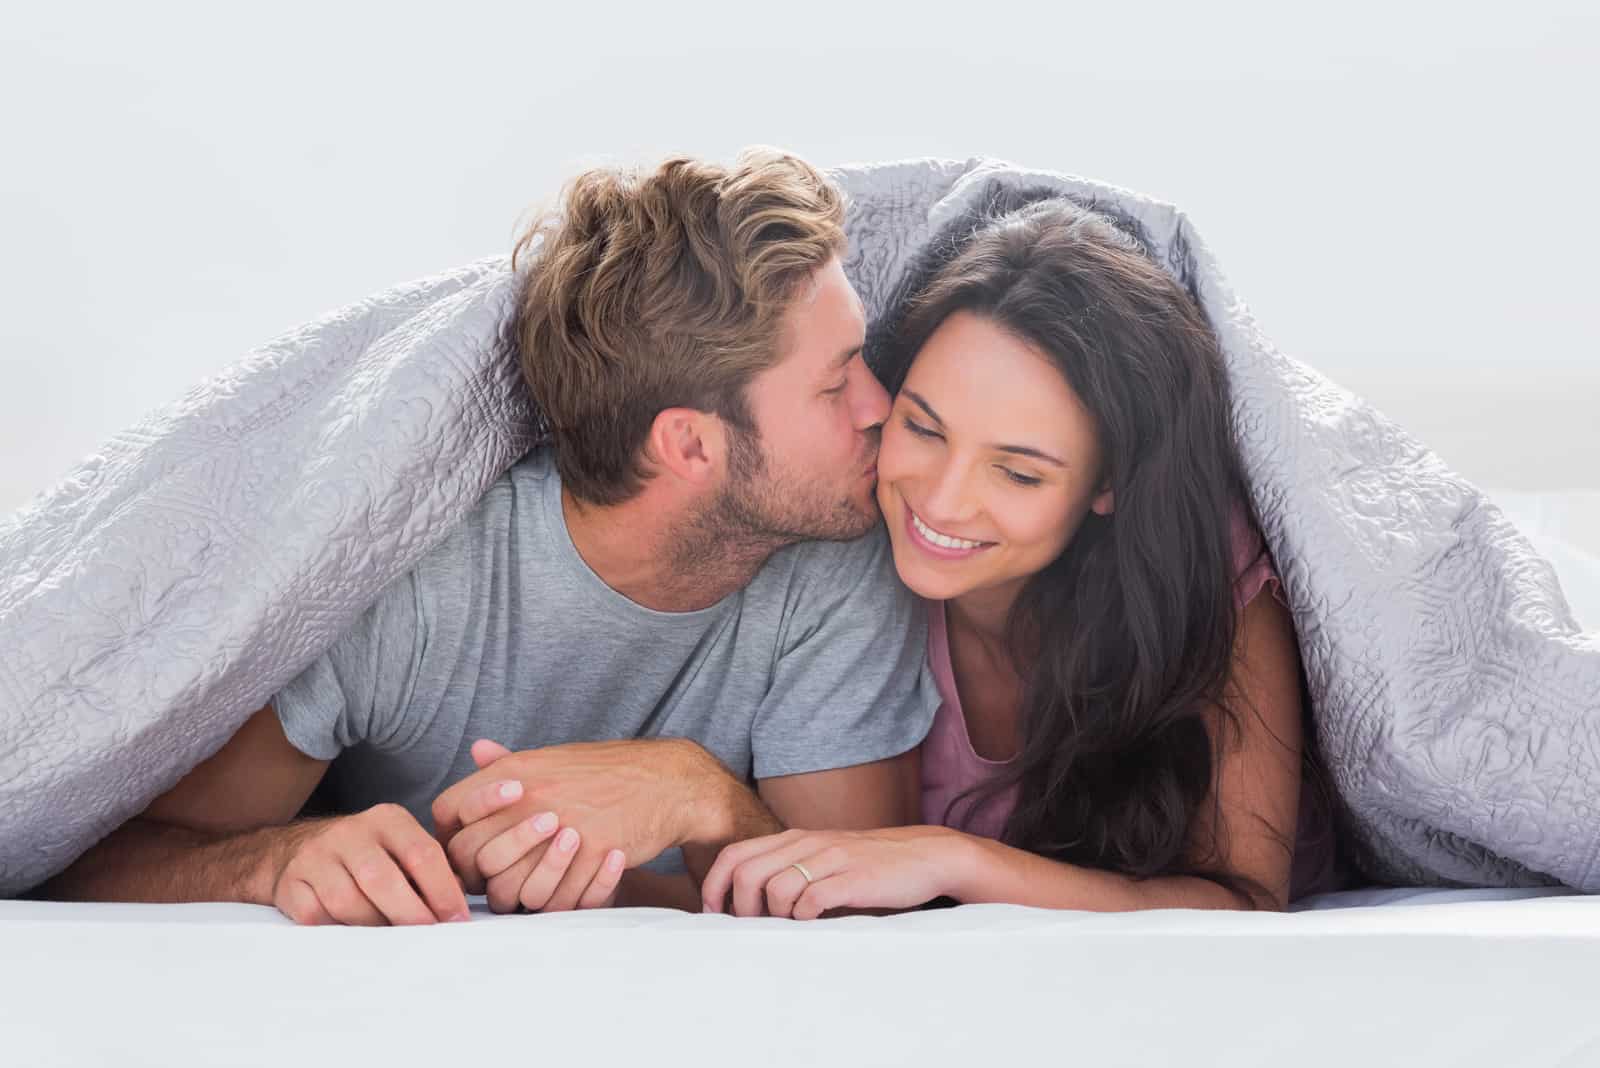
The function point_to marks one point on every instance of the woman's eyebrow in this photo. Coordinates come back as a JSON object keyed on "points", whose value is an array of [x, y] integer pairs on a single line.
{"points": [[914, 395], [1017, 450]]}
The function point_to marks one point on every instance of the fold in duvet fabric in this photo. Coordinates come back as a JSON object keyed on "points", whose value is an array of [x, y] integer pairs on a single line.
{"points": [[177, 578]]}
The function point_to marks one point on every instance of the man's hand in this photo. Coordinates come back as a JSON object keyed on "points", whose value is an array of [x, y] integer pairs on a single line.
{"points": [[374, 868], [620, 804]]}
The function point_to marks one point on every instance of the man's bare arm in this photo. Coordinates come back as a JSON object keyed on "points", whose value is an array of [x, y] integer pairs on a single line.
{"points": [[191, 843], [224, 833]]}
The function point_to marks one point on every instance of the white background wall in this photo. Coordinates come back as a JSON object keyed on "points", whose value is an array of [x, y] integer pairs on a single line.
{"points": [[1405, 194]]}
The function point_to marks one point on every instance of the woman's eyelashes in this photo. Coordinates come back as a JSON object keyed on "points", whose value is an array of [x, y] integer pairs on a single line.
{"points": [[927, 432], [1019, 478]]}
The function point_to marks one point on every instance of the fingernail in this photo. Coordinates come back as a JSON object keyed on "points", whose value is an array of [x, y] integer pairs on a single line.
{"points": [[567, 840], [545, 822], [510, 790], [461, 917], [614, 860]]}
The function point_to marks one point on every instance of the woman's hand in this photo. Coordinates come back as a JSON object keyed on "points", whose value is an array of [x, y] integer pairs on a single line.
{"points": [[802, 874]]}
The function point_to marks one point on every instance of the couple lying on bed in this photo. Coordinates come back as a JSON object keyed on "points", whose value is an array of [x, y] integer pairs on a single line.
{"points": [[674, 657]]}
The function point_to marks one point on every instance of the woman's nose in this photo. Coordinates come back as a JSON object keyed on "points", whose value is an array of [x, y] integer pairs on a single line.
{"points": [[947, 500]]}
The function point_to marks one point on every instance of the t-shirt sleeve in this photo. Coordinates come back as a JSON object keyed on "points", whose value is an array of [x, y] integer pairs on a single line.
{"points": [[851, 683], [358, 691]]}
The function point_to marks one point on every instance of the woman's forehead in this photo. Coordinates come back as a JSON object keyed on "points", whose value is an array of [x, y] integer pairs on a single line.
{"points": [[983, 379]]}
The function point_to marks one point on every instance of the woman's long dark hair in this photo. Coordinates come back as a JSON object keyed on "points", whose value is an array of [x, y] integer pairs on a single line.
{"points": [[1124, 642]]}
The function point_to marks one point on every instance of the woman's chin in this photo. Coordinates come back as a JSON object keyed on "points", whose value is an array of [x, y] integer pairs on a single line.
{"points": [[920, 582]]}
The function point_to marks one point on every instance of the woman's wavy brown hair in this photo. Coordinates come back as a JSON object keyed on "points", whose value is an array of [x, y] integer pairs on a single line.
{"points": [[660, 290], [1125, 640]]}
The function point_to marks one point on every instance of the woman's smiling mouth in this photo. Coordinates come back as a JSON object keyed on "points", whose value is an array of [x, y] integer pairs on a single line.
{"points": [[940, 545]]}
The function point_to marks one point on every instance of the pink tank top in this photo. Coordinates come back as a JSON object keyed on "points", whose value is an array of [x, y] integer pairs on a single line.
{"points": [[950, 765]]}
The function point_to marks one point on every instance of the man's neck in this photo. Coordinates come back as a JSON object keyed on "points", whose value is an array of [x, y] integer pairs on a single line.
{"points": [[656, 559]]}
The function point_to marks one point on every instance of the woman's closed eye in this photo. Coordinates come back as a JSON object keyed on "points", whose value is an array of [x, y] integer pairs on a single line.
{"points": [[918, 429], [1018, 477]]}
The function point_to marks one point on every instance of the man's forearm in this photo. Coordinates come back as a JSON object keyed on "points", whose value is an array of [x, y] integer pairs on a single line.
{"points": [[728, 811], [156, 862]]}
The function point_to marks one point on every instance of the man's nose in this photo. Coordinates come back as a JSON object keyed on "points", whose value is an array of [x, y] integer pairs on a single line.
{"points": [[872, 401]]}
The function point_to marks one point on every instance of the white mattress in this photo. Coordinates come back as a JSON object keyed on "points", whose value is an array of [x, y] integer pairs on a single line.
{"points": [[1402, 977]]}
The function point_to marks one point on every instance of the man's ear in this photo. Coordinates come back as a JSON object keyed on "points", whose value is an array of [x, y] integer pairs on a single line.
{"points": [[687, 444], [1104, 504]]}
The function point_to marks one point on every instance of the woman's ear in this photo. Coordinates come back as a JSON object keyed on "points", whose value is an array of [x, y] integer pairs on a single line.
{"points": [[1104, 504]]}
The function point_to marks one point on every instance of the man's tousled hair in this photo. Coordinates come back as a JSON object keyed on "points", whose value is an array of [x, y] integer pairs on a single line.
{"points": [[660, 290]]}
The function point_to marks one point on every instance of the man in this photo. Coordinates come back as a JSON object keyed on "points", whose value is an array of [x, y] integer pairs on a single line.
{"points": [[633, 623]]}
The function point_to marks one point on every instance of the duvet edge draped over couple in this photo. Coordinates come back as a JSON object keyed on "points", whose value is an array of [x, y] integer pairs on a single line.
{"points": [[197, 563]]}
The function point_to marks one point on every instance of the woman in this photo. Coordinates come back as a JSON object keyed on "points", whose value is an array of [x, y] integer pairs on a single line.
{"points": [[1122, 716]]}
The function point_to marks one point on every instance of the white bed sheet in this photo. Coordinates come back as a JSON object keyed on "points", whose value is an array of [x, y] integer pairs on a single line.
{"points": [[1414, 977]]}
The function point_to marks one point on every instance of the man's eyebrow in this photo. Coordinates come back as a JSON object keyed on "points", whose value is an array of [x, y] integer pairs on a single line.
{"points": [[1017, 450], [844, 358]]}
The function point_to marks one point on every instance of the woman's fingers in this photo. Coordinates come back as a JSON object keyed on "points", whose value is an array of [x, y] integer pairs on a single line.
{"points": [[834, 892], [718, 882], [486, 800], [465, 845], [546, 875], [504, 891], [512, 845], [785, 888], [750, 878], [603, 887], [486, 752]]}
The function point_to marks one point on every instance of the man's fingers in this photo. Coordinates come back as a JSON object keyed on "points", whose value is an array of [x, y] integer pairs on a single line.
{"points": [[546, 875], [604, 884], [386, 886], [719, 879], [337, 890], [486, 752], [510, 846], [298, 901], [423, 862]]}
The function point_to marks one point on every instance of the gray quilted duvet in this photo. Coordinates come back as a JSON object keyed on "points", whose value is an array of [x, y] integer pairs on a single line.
{"points": [[182, 574]]}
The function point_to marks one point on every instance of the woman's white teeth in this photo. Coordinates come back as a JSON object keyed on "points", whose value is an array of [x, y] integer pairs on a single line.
{"points": [[944, 541]]}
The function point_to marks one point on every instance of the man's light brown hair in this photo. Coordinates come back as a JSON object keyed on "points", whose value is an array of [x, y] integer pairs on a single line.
{"points": [[662, 290]]}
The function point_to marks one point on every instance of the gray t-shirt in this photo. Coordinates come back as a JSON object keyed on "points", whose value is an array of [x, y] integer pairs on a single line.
{"points": [[503, 632]]}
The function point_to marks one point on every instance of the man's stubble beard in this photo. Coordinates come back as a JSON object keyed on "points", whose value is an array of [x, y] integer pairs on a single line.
{"points": [[756, 514]]}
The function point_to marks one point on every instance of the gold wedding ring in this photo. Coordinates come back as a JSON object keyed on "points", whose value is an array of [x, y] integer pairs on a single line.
{"points": [[801, 868]]}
